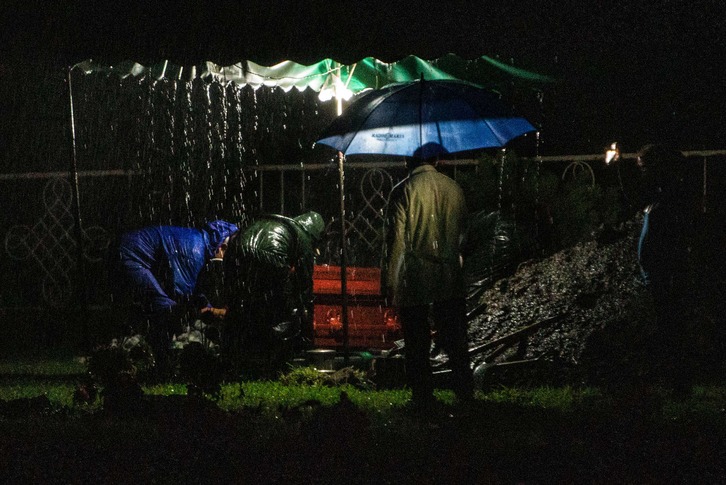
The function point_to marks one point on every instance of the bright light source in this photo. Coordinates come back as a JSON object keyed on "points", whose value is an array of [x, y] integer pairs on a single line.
{"points": [[612, 154], [334, 88]]}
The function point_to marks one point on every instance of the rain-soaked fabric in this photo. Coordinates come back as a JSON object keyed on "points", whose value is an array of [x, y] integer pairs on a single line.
{"points": [[663, 244], [210, 284], [329, 77], [162, 263], [270, 270], [312, 223], [425, 230], [668, 225], [409, 119]]}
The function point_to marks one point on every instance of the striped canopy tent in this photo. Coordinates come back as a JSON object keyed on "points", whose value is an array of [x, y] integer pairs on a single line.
{"points": [[333, 80]]}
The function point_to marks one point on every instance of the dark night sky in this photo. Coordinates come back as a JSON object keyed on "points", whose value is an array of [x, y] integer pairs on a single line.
{"points": [[634, 70]]}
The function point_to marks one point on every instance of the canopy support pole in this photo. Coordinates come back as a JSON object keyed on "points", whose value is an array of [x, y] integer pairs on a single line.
{"points": [[704, 203], [76, 194], [343, 261], [338, 88], [420, 113]]}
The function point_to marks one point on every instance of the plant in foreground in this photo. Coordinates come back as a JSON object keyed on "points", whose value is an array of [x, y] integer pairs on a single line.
{"points": [[117, 367], [313, 377], [201, 369]]}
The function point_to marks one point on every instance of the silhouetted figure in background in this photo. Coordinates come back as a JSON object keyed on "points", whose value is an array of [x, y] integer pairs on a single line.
{"points": [[425, 230], [664, 255], [159, 266], [269, 279]]}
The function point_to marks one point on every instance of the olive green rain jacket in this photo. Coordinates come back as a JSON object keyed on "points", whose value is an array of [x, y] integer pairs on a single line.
{"points": [[425, 230]]}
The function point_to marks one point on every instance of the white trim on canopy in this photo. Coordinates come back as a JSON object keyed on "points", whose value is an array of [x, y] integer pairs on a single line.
{"points": [[331, 79]]}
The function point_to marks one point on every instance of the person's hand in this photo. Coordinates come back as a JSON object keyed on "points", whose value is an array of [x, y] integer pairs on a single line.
{"points": [[218, 312], [215, 312]]}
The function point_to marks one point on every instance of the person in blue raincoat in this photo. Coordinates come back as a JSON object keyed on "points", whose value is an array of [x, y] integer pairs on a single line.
{"points": [[159, 267]]}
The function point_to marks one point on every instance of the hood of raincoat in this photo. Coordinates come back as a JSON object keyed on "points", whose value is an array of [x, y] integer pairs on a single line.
{"points": [[312, 223], [217, 232]]}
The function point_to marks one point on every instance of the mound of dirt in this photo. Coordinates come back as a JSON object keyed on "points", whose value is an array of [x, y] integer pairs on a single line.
{"points": [[597, 317]]}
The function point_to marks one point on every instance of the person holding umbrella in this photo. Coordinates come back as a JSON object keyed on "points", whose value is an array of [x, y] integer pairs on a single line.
{"points": [[421, 119], [423, 273]]}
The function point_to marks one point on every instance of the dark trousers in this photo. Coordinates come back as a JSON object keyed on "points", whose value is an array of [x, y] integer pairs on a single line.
{"points": [[675, 343], [449, 319], [163, 324]]}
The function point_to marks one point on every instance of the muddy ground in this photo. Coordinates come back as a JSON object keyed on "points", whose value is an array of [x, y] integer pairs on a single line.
{"points": [[596, 319]]}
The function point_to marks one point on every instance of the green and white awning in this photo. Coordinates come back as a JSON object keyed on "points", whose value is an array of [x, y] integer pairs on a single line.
{"points": [[331, 79]]}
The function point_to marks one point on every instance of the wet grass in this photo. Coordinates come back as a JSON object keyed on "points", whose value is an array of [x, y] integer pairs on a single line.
{"points": [[57, 365], [58, 377]]}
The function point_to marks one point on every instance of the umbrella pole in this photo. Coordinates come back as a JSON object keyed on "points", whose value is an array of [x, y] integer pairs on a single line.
{"points": [[420, 112], [343, 260], [80, 270]]}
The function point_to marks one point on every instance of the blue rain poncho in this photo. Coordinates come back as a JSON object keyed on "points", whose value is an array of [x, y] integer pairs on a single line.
{"points": [[162, 263]]}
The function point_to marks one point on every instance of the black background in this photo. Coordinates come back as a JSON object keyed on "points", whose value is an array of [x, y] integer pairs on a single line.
{"points": [[634, 71]]}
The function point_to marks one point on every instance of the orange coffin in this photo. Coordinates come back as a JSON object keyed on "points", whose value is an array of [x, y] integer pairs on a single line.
{"points": [[371, 324], [359, 281]]}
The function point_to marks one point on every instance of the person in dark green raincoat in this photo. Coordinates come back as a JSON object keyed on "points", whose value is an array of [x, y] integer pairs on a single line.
{"points": [[269, 275]]}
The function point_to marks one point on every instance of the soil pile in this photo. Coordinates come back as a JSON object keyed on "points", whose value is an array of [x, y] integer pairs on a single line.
{"points": [[598, 317]]}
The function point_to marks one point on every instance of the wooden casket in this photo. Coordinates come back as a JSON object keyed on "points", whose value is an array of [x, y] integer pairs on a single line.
{"points": [[371, 324]]}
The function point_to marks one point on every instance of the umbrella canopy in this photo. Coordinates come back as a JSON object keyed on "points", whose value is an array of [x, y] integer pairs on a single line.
{"points": [[424, 118]]}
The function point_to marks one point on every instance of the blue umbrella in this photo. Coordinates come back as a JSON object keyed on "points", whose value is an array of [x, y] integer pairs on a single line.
{"points": [[424, 118]]}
